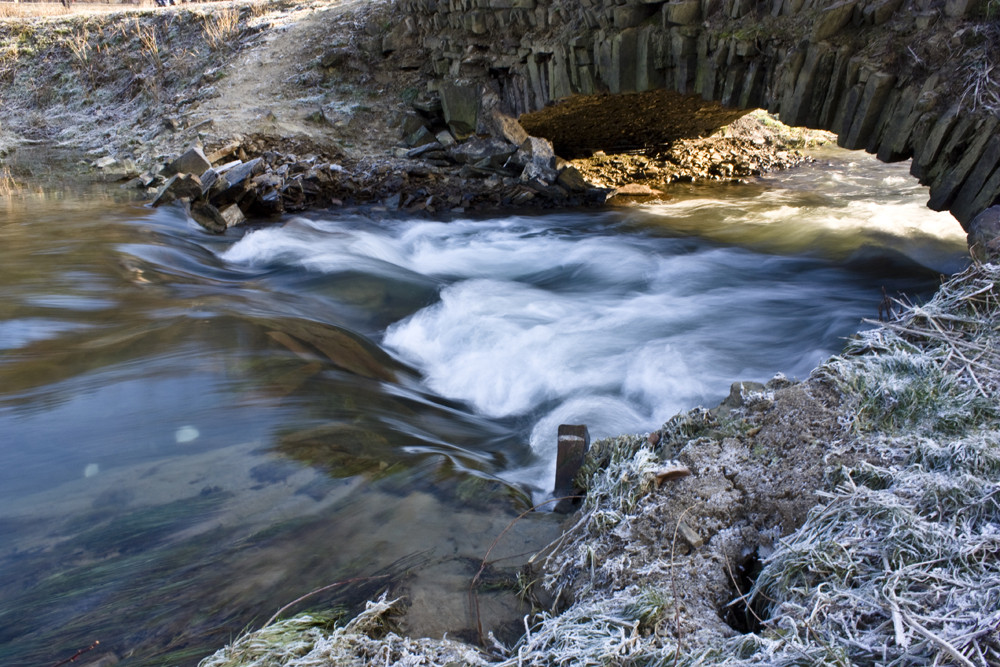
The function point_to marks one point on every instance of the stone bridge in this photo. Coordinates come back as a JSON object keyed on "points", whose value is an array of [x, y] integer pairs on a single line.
{"points": [[899, 78]]}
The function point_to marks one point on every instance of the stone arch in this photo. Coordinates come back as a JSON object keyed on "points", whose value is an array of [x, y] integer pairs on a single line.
{"points": [[888, 76]]}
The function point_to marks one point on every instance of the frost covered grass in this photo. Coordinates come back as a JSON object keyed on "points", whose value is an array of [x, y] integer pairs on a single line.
{"points": [[900, 565], [310, 641], [901, 562], [897, 564]]}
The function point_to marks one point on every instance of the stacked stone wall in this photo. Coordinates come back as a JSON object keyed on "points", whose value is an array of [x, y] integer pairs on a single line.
{"points": [[864, 69]]}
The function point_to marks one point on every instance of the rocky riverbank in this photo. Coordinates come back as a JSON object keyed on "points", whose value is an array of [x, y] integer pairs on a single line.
{"points": [[846, 519], [433, 172], [299, 106], [765, 553]]}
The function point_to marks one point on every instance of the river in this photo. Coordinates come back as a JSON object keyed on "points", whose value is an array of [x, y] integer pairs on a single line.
{"points": [[198, 429]]}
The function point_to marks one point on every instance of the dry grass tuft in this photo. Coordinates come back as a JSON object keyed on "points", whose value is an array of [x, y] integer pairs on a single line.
{"points": [[221, 28]]}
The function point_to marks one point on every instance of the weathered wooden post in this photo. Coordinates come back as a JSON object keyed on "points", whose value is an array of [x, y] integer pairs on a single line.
{"points": [[574, 440]]}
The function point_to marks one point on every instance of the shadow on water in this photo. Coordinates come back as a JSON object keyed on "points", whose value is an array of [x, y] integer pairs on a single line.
{"points": [[200, 429]]}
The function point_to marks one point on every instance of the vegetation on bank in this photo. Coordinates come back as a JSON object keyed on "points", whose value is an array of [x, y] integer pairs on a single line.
{"points": [[898, 564], [115, 82]]}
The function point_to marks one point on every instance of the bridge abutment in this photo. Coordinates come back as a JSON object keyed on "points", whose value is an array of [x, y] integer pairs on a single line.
{"points": [[898, 78]]}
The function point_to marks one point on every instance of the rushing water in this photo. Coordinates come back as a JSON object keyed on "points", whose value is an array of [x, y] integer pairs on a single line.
{"points": [[195, 430]]}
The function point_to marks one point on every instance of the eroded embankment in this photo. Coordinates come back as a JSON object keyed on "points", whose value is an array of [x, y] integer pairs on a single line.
{"points": [[895, 447]]}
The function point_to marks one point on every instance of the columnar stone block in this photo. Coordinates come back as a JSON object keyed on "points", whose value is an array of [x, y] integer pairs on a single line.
{"points": [[736, 52], [935, 139], [868, 110], [946, 188]]}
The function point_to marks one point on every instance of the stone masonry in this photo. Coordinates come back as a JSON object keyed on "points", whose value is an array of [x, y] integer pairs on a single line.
{"points": [[892, 77]]}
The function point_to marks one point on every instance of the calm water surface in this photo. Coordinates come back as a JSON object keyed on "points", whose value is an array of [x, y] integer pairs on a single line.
{"points": [[195, 430]]}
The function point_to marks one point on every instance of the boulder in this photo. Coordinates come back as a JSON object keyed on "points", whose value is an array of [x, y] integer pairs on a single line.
{"points": [[984, 235], [533, 150], [238, 179], [191, 162], [445, 138], [536, 172], [411, 122], [214, 219], [478, 150], [502, 126], [571, 179], [178, 186]]}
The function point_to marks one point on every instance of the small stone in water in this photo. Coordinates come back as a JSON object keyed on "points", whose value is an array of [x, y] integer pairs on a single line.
{"points": [[186, 434], [91, 470]]}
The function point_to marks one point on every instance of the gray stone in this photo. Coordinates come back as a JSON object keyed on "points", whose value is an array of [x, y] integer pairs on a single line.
{"points": [[895, 144], [571, 450], [797, 106], [429, 105], [682, 12], [474, 151], [988, 163], [946, 189], [959, 9], [988, 195], [215, 219], [536, 150], [460, 103], [411, 123], [445, 138], [238, 180], [560, 85], [832, 19], [880, 12], [624, 51], [647, 75], [399, 38], [868, 110], [193, 161], [502, 126], [421, 137], [178, 186], [630, 16], [535, 172], [935, 139], [984, 235], [423, 150], [571, 179]]}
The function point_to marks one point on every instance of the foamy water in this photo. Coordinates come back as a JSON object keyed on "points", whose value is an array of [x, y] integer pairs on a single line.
{"points": [[620, 321], [334, 396]]}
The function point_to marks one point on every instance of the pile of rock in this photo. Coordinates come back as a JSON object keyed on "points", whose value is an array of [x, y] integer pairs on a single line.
{"points": [[460, 125], [713, 159], [457, 152], [219, 194]]}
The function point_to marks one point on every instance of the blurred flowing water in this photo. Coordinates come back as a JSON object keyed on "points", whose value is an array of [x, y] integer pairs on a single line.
{"points": [[197, 429]]}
